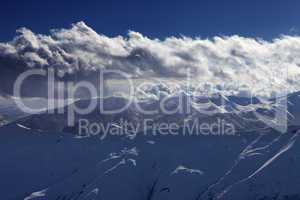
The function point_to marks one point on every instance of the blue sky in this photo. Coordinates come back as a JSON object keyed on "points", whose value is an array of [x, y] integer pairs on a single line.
{"points": [[240, 61], [205, 18]]}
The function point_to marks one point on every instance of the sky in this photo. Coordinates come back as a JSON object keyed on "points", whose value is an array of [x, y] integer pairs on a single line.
{"points": [[234, 46], [155, 18]]}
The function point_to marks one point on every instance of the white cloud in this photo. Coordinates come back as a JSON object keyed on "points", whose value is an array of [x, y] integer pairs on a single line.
{"points": [[230, 63]]}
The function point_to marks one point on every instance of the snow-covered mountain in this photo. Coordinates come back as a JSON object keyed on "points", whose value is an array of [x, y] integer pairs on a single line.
{"points": [[41, 160], [246, 114], [50, 165]]}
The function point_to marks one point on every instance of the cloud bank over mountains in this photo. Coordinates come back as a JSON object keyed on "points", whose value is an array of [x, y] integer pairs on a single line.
{"points": [[232, 63]]}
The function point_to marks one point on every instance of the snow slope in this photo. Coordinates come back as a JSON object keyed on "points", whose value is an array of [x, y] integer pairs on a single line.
{"points": [[41, 160], [48, 165]]}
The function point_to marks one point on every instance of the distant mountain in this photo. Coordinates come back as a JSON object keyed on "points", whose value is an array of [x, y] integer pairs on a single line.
{"points": [[246, 114]]}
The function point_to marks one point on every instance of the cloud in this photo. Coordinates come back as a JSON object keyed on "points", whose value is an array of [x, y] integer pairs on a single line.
{"points": [[231, 63]]}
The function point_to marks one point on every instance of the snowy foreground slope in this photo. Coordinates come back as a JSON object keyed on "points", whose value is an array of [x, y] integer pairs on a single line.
{"points": [[50, 165], [42, 159]]}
